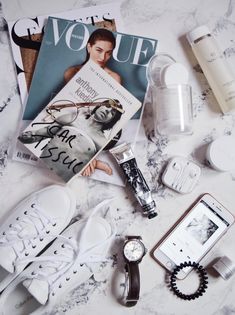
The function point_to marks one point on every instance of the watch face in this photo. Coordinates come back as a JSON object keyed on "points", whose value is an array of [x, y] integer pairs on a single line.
{"points": [[133, 250]]}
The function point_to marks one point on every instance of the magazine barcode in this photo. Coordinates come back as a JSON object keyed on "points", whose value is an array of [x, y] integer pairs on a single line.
{"points": [[23, 156]]}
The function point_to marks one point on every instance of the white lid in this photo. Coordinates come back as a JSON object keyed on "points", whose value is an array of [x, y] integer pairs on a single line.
{"points": [[174, 73], [221, 153], [198, 32]]}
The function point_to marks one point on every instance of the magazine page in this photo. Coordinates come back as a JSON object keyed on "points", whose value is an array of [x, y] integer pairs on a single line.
{"points": [[65, 49], [26, 36], [80, 121]]}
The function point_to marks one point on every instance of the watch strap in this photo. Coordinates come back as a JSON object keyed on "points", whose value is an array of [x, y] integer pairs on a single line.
{"points": [[134, 283], [132, 237]]}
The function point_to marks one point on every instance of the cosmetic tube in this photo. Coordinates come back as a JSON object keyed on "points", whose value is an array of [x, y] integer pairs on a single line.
{"points": [[126, 160]]}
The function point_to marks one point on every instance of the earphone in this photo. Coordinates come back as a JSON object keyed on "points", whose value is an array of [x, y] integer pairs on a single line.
{"points": [[181, 175], [182, 178], [178, 170]]}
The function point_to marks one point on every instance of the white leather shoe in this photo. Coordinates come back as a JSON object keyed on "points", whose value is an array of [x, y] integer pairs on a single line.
{"points": [[33, 224], [71, 260]]}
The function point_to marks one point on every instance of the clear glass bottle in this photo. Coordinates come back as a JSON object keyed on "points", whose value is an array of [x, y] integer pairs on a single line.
{"points": [[215, 67]]}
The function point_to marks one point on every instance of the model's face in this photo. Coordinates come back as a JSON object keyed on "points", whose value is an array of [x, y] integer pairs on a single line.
{"points": [[100, 52], [104, 114]]}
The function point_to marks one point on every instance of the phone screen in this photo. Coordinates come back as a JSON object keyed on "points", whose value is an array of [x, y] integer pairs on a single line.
{"points": [[195, 235]]}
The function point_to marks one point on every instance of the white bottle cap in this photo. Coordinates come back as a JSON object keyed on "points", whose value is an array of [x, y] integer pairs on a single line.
{"points": [[221, 153], [174, 73], [198, 32]]}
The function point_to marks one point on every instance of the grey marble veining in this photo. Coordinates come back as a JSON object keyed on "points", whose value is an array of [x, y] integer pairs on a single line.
{"points": [[9, 96], [168, 21]]}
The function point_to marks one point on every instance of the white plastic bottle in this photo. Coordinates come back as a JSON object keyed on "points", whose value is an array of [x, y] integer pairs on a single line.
{"points": [[214, 66]]}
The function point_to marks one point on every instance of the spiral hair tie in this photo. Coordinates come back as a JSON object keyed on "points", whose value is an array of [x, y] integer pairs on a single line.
{"points": [[202, 277]]}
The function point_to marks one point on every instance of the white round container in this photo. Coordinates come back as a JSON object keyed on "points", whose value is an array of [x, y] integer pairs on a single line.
{"points": [[221, 154], [225, 267]]}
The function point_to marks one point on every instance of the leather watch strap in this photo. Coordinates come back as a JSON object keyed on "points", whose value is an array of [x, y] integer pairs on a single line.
{"points": [[134, 283]]}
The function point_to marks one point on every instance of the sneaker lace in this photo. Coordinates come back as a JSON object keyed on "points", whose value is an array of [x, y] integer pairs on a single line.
{"points": [[35, 222]]}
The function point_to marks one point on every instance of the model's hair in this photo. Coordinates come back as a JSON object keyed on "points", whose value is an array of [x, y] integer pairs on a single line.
{"points": [[109, 125], [100, 34]]}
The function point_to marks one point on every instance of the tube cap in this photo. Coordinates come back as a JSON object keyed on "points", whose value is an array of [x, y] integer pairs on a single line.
{"points": [[150, 209], [198, 32]]}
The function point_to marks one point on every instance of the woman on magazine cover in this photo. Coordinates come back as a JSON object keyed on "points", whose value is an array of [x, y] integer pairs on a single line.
{"points": [[100, 46]]}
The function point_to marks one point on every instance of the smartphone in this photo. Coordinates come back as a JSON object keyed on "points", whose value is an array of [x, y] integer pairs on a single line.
{"points": [[195, 234]]}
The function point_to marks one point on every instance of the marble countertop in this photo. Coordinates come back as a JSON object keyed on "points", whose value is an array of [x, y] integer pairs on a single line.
{"points": [[167, 21]]}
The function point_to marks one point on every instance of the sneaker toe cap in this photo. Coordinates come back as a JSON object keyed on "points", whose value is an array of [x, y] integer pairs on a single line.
{"points": [[57, 200]]}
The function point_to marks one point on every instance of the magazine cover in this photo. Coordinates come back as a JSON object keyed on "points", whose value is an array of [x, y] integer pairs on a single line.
{"points": [[26, 36], [80, 121], [65, 48]]}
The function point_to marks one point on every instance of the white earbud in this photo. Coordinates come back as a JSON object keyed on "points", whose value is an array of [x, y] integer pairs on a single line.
{"points": [[183, 176], [179, 169], [192, 173], [176, 166]]}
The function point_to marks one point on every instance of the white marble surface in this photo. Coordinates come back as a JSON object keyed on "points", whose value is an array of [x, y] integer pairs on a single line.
{"points": [[167, 21]]}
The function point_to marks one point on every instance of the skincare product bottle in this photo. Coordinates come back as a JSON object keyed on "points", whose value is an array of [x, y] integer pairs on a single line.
{"points": [[214, 66]]}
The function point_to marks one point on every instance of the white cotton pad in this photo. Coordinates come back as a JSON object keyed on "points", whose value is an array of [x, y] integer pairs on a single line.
{"points": [[174, 73]]}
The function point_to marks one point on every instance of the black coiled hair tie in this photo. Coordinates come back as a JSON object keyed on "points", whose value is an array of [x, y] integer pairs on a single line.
{"points": [[202, 277]]}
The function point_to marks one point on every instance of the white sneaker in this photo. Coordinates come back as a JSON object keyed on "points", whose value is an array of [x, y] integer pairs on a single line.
{"points": [[71, 260], [35, 222]]}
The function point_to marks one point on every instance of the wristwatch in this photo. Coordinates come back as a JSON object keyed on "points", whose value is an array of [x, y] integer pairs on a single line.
{"points": [[133, 252]]}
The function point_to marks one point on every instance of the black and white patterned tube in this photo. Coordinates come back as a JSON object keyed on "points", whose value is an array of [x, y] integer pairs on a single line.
{"points": [[126, 159]]}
